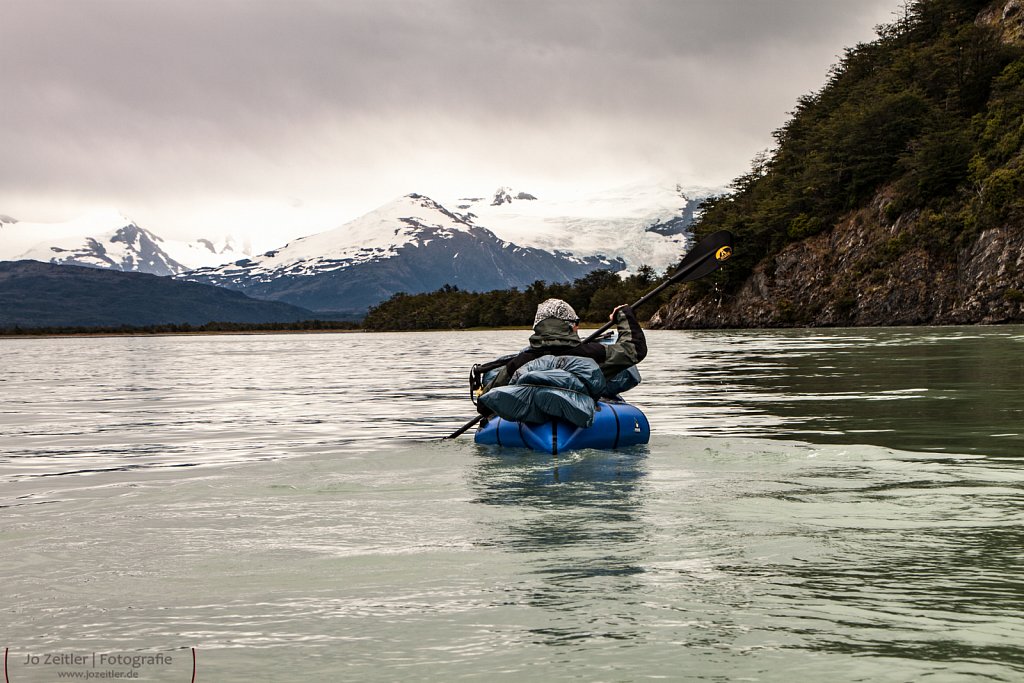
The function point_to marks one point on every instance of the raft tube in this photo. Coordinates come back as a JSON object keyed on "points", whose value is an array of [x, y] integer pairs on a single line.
{"points": [[616, 425]]}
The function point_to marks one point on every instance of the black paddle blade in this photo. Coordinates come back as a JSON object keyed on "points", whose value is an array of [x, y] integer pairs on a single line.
{"points": [[707, 257]]}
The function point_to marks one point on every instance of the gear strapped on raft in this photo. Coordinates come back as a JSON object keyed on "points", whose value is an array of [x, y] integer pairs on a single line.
{"points": [[558, 376]]}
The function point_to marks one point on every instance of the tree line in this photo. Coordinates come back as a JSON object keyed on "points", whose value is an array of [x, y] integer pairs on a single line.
{"points": [[593, 297], [182, 328]]}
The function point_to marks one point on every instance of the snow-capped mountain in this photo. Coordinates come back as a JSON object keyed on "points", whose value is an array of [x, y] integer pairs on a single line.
{"points": [[643, 224], [129, 248], [108, 239], [507, 238], [206, 253], [412, 244]]}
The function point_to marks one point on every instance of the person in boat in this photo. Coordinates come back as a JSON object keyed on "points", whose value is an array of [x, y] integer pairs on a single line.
{"points": [[556, 333]]}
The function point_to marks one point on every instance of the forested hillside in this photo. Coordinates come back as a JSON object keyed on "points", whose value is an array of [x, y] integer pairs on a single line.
{"points": [[894, 195], [592, 297]]}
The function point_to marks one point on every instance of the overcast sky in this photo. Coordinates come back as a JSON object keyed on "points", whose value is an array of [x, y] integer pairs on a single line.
{"points": [[206, 116]]}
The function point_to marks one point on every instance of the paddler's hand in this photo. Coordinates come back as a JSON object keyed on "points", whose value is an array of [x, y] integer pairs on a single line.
{"points": [[625, 308]]}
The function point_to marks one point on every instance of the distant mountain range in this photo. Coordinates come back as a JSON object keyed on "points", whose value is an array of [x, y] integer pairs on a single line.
{"points": [[509, 238], [412, 244], [38, 294], [112, 241]]}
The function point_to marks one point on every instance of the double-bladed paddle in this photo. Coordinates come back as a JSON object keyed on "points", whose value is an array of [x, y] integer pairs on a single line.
{"points": [[705, 258]]}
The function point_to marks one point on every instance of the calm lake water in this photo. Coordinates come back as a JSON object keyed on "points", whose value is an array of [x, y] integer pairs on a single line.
{"points": [[841, 505]]}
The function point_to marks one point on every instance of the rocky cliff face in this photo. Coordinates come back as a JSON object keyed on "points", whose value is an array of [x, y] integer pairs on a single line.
{"points": [[871, 271], [1006, 17]]}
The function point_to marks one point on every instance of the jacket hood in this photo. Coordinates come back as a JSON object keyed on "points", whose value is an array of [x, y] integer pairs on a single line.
{"points": [[553, 332]]}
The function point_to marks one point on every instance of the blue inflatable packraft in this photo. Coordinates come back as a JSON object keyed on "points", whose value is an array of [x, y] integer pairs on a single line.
{"points": [[561, 403], [616, 425]]}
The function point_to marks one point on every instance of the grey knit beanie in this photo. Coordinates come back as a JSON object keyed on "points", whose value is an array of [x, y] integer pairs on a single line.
{"points": [[555, 308]]}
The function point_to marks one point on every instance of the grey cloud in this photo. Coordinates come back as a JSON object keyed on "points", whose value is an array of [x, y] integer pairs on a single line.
{"points": [[232, 57], [141, 96]]}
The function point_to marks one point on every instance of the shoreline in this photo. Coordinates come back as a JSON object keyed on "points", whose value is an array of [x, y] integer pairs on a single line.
{"points": [[195, 333], [521, 328]]}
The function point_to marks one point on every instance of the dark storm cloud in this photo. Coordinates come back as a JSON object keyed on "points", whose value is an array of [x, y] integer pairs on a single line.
{"points": [[152, 96]]}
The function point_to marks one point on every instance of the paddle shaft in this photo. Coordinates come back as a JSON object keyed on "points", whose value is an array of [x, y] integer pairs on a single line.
{"points": [[683, 272]]}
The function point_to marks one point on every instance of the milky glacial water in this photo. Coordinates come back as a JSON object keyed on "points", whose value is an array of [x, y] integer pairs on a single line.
{"points": [[840, 505]]}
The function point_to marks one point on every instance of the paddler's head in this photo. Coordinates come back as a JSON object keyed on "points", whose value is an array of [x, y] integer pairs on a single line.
{"points": [[556, 309]]}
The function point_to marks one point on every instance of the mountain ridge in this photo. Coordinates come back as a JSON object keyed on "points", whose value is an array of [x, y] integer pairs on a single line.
{"points": [[37, 294], [412, 244], [109, 239]]}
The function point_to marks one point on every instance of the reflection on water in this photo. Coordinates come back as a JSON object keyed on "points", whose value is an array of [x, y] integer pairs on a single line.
{"points": [[953, 390], [916, 559], [587, 498], [289, 511], [830, 552], [576, 522], [86, 405]]}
